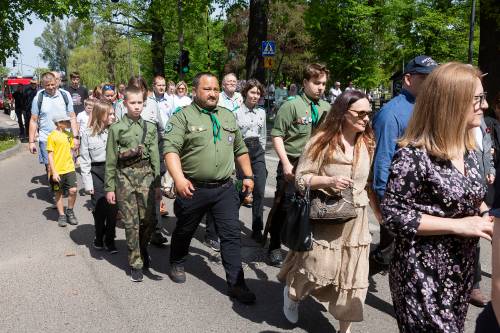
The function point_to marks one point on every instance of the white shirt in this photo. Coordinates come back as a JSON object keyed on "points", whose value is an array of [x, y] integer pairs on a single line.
{"points": [[478, 136], [181, 101], [166, 106], [252, 123], [92, 149], [335, 93], [233, 103], [82, 119]]}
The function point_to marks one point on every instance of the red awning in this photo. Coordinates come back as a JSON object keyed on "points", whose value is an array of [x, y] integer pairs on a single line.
{"points": [[23, 81]]}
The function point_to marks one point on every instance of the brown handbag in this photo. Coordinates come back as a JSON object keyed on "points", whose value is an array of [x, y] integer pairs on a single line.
{"points": [[333, 209]]}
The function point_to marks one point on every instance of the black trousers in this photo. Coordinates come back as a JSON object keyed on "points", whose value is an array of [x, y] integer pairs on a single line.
{"points": [[258, 162], [280, 211], [21, 123], [223, 204], [104, 213], [477, 268]]}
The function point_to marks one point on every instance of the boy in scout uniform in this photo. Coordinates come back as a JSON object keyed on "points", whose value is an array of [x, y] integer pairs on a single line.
{"points": [[132, 178], [201, 144], [294, 122]]}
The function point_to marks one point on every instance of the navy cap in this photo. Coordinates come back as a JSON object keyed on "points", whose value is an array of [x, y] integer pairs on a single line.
{"points": [[422, 65]]}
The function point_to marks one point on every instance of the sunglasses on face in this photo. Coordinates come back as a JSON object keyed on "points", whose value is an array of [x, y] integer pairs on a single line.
{"points": [[361, 114], [108, 87]]}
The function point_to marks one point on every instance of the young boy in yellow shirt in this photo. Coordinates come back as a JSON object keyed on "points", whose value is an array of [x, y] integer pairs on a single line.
{"points": [[63, 176]]}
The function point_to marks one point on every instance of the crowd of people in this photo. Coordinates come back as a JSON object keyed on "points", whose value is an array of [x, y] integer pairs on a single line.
{"points": [[425, 164]]}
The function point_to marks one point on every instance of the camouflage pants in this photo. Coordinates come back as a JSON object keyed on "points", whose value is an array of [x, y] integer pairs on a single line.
{"points": [[136, 203]]}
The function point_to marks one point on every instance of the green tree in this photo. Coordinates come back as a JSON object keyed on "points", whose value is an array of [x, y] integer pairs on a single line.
{"points": [[59, 38], [14, 14]]}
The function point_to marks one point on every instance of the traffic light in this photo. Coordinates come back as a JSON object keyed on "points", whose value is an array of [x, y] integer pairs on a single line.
{"points": [[184, 61], [13, 63]]}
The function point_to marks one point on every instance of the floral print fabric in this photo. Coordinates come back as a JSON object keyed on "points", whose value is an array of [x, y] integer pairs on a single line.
{"points": [[430, 276]]}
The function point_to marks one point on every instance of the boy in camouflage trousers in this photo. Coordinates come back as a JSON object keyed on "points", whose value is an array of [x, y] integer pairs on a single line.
{"points": [[132, 178]]}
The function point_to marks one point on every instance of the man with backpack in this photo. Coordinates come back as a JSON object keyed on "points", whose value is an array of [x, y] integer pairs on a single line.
{"points": [[48, 103]]}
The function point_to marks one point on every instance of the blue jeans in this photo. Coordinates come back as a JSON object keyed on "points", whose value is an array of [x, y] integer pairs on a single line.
{"points": [[43, 155]]}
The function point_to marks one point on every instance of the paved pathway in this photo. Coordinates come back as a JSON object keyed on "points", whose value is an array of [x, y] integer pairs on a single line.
{"points": [[52, 280]]}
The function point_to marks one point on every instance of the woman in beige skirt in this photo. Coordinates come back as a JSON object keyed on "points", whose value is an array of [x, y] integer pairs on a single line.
{"points": [[335, 270]]}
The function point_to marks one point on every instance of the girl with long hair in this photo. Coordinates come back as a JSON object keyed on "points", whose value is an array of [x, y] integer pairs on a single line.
{"points": [[92, 164]]}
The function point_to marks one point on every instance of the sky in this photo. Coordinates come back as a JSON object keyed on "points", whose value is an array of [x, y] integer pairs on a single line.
{"points": [[29, 52]]}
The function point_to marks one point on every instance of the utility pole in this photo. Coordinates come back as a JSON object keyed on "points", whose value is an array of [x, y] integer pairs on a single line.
{"points": [[181, 37]]}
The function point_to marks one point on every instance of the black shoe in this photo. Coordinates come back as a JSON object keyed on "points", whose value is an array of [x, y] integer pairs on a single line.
{"points": [[136, 275], [70, 214], [98, 244], [242, 294], [213, 244], [158, 239], [275, 258], [257, 236], [176, 273], [111, 248]]}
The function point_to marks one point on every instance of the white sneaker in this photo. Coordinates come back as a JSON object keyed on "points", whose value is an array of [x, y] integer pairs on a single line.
{"points": [[290, 307]]}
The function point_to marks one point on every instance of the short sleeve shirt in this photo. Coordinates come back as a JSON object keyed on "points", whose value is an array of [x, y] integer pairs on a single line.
{"points": [[293, 123], [61, 143], [51, 106], [189, 134]]}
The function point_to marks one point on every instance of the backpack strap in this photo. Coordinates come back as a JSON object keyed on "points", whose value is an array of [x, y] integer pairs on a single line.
{"points": [[40, 100]]}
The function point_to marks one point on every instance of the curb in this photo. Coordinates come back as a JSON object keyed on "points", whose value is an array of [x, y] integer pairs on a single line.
{"points": [[11, 151]]}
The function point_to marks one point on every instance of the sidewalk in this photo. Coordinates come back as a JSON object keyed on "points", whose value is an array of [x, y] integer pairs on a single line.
{"points": [[8, 126]]}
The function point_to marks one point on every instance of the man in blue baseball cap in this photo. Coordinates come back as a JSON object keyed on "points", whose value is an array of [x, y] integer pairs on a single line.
{"points": [[389, 125]]}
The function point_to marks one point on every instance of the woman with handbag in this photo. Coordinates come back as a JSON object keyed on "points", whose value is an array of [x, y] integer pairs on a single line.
{"points": [[335, 165]]}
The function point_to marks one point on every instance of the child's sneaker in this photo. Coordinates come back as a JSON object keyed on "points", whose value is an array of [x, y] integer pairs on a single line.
{"points": [[70, 214], [61, 221]]}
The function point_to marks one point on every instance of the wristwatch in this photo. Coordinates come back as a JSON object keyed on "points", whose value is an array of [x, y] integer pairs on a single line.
{"points": [[248, 177]]}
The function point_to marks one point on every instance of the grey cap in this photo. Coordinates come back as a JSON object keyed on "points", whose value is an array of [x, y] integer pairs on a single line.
{"points": [[60, 117]]}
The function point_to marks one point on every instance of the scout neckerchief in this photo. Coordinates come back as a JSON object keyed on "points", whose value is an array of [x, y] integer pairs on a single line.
{"points": [[215, 124], [314, 114]]}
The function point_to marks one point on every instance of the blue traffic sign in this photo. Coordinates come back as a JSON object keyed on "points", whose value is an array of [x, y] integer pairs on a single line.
{"points": [[268, 48]]}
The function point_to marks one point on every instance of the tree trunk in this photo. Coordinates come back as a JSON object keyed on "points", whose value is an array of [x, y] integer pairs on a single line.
{"points": [[257, 32], [157, 41], [489, 46]]}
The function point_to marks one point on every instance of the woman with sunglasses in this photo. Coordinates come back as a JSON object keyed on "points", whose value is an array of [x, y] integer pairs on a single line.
{"points": [[181, 99], [335, 160]]}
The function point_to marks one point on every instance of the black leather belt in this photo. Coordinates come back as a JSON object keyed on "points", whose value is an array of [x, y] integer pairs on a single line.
{"points": [[212, 184], [97, 163]]}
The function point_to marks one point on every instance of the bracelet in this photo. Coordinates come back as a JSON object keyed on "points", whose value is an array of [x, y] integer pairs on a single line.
{"points": [[484, 213], [31, 142], [248, 177]]}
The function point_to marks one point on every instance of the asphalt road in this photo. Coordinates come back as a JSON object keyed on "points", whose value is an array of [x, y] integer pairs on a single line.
{"points": [[52, 280]]}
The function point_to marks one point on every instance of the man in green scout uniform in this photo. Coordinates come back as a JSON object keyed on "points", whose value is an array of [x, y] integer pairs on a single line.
{"points": [[132, 178], [201, 144], [294, 122]]}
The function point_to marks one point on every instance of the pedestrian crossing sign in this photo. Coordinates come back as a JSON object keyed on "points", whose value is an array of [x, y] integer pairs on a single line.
{"points": [[268, 48]]}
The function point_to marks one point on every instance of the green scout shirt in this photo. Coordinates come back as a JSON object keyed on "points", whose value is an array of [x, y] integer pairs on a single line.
{"points": [[294, 124], [189, 134], [127, 134]]}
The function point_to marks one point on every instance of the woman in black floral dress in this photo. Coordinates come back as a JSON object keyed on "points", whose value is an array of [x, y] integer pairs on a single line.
{"points": [[433, 203]]}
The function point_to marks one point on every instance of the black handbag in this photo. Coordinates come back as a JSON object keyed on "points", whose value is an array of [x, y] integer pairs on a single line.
{"points": [[296, 233]]}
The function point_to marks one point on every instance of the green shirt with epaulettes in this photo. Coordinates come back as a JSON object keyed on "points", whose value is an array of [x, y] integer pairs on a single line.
{"points": [[127, 134], [189, 133], [293, 123]]}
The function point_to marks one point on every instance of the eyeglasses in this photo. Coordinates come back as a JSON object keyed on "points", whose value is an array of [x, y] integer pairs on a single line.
{"points": [[361, 114], [481, 97]]}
